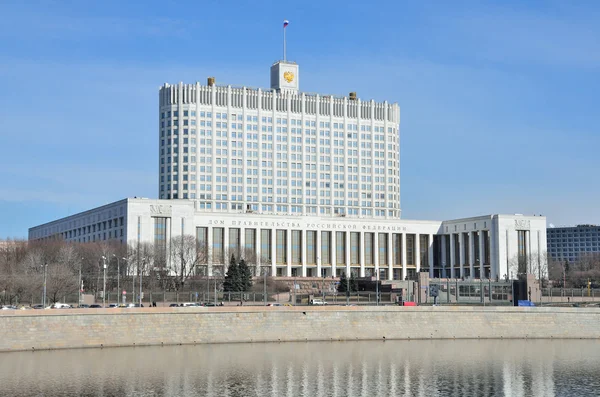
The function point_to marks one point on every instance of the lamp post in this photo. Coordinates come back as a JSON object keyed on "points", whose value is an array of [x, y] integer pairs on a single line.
{"points": [[118, 276], [348, 290], [215, 273], [265, 271], [377, 287], [141, 270], [133, 285], [104, 287], [44, 296], [79, 285]]}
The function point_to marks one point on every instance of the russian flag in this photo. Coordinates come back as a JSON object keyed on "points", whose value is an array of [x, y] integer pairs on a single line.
{"points": [[286, 23]]}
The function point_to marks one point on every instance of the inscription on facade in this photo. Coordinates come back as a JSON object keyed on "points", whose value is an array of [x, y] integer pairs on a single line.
{"points": [[522, 224], [307, 226], [160, 210]]}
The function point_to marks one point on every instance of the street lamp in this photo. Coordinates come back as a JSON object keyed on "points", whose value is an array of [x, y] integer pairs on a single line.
{"points": [[377, 287], [141, 270], [119, 276], [215, 273], [104, 287], [79, 286], [265, 271], [45, 266]]}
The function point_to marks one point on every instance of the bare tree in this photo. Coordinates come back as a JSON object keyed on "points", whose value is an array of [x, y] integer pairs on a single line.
{"points": [[186, 256], [60, 281], [249, 255], [518, 266]]}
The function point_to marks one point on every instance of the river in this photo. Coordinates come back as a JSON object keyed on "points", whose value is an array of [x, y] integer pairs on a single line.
{"points": [[391, 368]]}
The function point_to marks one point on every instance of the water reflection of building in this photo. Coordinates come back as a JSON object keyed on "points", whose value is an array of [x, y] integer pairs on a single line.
{"points": [[392, 368]]}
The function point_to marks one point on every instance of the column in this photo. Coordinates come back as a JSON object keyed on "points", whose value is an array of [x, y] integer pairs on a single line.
{"points": [[227, 253], [452, 256], [430, 255], [333, 253], [273, 252], [403, 256], [168, 241], [288, 251], [303, 251], [461, 253], [257, 252], [242, 242], [481, 255], [527, 252], [347, 247], [209, 254], [445, 261], [318, 253], [418, 252], [390, 255], [376, 254], [361, 254], [494, 255], [471, 255]]}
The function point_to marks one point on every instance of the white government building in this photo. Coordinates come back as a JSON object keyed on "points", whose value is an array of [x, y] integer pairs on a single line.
{"points": [[307, 183]]}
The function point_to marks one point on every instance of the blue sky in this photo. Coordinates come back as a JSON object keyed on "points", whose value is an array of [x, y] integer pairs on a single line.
{"points": [[499, 100]]}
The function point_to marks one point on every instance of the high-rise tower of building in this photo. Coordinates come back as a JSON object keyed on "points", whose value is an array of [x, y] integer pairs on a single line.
{"points": [[279, 150]]}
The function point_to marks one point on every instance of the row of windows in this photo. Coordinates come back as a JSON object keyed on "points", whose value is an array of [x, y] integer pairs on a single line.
{"points": [[356, 251], [282, 121], [111, 234], [100, 226]]}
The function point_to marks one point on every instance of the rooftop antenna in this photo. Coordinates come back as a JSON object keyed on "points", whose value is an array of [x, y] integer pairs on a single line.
{"points": [[285, 24]]}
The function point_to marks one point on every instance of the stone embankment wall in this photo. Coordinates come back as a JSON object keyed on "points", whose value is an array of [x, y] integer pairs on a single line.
{"points": [[76, 328]]}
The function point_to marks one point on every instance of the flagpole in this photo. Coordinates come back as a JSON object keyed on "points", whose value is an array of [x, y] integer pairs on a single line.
{"points": [[284, 44]]}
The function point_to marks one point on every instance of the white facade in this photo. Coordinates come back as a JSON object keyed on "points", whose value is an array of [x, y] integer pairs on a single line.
{"points": [[300, 184], [309, 246], [279, 151]]}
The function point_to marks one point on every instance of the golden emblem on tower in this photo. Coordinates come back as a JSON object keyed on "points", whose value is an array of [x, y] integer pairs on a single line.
{"points": [[288, 76]]}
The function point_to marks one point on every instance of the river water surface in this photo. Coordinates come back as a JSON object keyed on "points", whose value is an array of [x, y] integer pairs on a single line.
{"points": [[392, 368]]}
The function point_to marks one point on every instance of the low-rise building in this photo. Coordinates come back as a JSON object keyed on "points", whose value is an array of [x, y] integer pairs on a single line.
{"points": [[310, 246]]}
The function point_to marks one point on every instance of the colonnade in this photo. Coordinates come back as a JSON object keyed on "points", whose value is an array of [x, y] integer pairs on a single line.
{"points": [[286, 252]]}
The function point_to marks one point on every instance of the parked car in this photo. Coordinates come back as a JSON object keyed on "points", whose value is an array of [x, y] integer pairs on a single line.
{"points": [[317, 302], [174, 305], [274, 304], [95, 306], [84, 306], [190, 304], [209, 304], [59, 305], [38, 307], [8, 307], [132, 305], [113, 305]]}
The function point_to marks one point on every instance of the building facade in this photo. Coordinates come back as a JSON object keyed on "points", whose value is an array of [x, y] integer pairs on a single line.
{"points": [[571, 243], [300, 185], [312, 246], [279, 150]]}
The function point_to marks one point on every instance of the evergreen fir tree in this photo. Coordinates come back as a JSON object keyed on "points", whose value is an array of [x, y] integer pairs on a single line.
{"points": [[343, 285], [245, 276], [353, 283], [231, 282]]}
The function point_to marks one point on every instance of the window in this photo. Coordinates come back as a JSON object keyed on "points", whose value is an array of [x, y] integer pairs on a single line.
{"points": [[340, 248], [281, 247], [354, 248], [218, 235], [296, 247], [325, 248], [265, 245]]}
